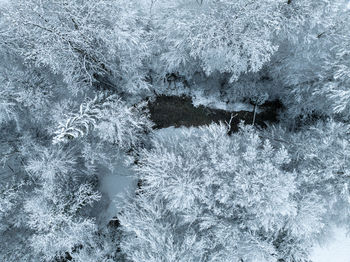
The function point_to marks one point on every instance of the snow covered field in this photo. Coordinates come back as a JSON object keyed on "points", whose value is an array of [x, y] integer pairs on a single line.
{"points": [[336, 250]]}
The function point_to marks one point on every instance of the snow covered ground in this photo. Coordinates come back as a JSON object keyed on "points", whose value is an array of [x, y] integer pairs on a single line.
{"points": [[336, 250], [115, 185]]}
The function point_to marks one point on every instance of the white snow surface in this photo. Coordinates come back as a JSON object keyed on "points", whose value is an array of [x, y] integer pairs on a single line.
{"points": [[206, 93], [214, 104], [336, 249], [116, 185]]}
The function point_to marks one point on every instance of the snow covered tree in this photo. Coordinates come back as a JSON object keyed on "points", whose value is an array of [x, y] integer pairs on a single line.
{"points": [[320, 157], [13, 232], [307, 66], [21, 90], [216, 36], [154, 233], [57, 227], [82, 41], [56, 206], [74, 80], [228, 195], [337, 67], [112, 120]]}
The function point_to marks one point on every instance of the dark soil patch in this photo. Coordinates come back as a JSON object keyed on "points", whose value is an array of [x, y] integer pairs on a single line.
{"points": [[178, 111], [114, 223]]}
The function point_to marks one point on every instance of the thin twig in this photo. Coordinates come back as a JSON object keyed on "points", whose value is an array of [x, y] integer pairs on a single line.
{"points": [[255, 106], [229, 123]]}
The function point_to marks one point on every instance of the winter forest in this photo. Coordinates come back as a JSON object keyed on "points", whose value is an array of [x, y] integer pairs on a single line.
{"points": [[173, 130]]}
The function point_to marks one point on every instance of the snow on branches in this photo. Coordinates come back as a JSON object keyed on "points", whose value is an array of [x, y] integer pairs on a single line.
{"points": [[111, 118], [83, 41], [222, 191]]}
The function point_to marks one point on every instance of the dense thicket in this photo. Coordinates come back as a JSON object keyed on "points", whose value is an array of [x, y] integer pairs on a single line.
{"points": [[75, 79]]}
